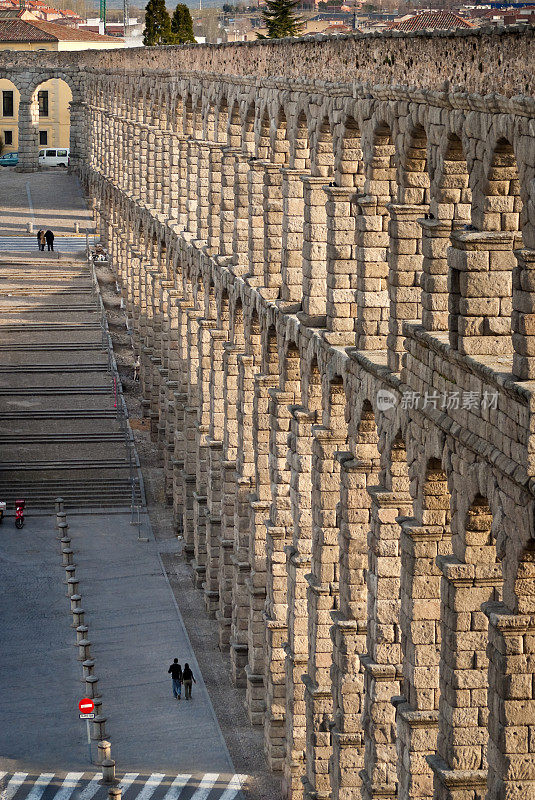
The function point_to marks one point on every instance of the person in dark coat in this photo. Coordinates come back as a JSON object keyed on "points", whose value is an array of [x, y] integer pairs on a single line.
{"points": [[176, 676], [187, 677], [41, 240], [49, 236]]}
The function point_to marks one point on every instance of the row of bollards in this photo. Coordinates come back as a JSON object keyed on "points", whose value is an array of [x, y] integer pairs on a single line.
{"points": [[83, 644]]}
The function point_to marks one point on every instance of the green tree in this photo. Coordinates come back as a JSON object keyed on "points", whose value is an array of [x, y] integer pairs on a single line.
{"points": [[182, 25], [157, 24], [280, 19]]}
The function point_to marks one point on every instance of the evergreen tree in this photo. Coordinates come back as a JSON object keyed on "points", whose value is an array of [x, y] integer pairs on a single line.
{"points": [[182, 25], [280, 19], [157, 24]]}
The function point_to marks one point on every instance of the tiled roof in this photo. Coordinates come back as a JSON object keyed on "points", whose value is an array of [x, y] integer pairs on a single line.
{"points": [[430, 20], [18, 30]]}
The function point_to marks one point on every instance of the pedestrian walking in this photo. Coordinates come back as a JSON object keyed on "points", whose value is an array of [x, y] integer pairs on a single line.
{"points": [[187, 677], [41, 240], [49, 236], [176, 676]]}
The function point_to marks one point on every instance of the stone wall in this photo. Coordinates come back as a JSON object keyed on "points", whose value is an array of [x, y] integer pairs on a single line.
{"points": [[332, 293]]}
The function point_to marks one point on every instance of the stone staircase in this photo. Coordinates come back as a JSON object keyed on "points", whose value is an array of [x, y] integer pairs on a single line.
{"points": [[59, 428]]}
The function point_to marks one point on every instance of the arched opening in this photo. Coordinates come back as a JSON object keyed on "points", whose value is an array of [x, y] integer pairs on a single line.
{"points": [[270, 352], [349, 169], [248, 131], [301, 149], [323, 160], [281, 143], [234, 127], [9, 117], [221, 121], [263, 148]]}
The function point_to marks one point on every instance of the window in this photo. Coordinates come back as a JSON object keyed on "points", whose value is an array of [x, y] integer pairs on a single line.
{"points": [[43, 137], [7, 104], [8, 137], [62, 153], [42, 98], [50, 153]]}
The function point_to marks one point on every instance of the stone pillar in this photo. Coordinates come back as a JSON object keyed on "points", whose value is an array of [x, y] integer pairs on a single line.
{"points": [[382, 662], [227, 200], [272, 203], [481, 267], [204, 331], [322, 597], [523, 316], [259, 503], [404, 271], [341, 275], [192, 317], [298, 555], [276, 608], [293, 212], [77, 149], [240, 244], [314, 311], [511, 700], [28, 135], [203, 190], [245, 470], [214, 197], [468, 581], [417, 716], [229, 545], [372, 275], [214, 484], [191, 185], [255, 185], [434, 279], [349, 629]]}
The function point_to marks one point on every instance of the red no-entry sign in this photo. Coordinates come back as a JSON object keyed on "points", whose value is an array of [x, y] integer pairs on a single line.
{"points": [[86, 706]]}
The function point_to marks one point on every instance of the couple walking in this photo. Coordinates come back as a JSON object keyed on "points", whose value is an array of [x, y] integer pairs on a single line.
{"points": [[181, 676], [45, 237]]}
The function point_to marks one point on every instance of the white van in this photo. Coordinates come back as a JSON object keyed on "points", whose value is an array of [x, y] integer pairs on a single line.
{"points": [[54, 157]]}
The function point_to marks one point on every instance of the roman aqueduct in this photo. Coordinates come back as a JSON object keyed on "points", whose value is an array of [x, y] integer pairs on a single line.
{"points": [[327, 249]]}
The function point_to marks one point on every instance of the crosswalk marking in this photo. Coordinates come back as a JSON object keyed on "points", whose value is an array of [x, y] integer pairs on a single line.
{"points": [[13, 785], [233, 787], [174, 791], [205, 786], [150, 786], [92, 787], [67, 244], [68, 785], [134, 786], [39, 786], [127, 780]]}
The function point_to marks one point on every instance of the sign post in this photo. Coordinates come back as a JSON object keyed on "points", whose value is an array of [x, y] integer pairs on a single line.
{"points": [[87, 712]]}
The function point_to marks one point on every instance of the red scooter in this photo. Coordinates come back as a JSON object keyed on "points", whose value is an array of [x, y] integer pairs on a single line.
{"points": [[19, 513]]}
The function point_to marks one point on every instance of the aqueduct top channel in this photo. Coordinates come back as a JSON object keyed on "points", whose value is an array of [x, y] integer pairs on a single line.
{"points": [[327, 250]]}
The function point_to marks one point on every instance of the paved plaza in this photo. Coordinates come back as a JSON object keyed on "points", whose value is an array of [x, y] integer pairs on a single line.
{"points": [[50, 199], [135, 629]]}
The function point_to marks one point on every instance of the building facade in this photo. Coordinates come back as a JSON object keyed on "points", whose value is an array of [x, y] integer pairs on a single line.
{"points": [[332, 289]]}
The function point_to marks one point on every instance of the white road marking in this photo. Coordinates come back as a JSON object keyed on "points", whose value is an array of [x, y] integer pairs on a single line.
{"points": [[151, 784], [39, 786], [205, 786], [14, 785], [174, 791], [68, 786], [127, 780], [233, 787], [91, 789]]}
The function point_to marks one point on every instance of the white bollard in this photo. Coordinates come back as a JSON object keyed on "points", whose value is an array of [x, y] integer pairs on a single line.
{"points": [[103, 750]]}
